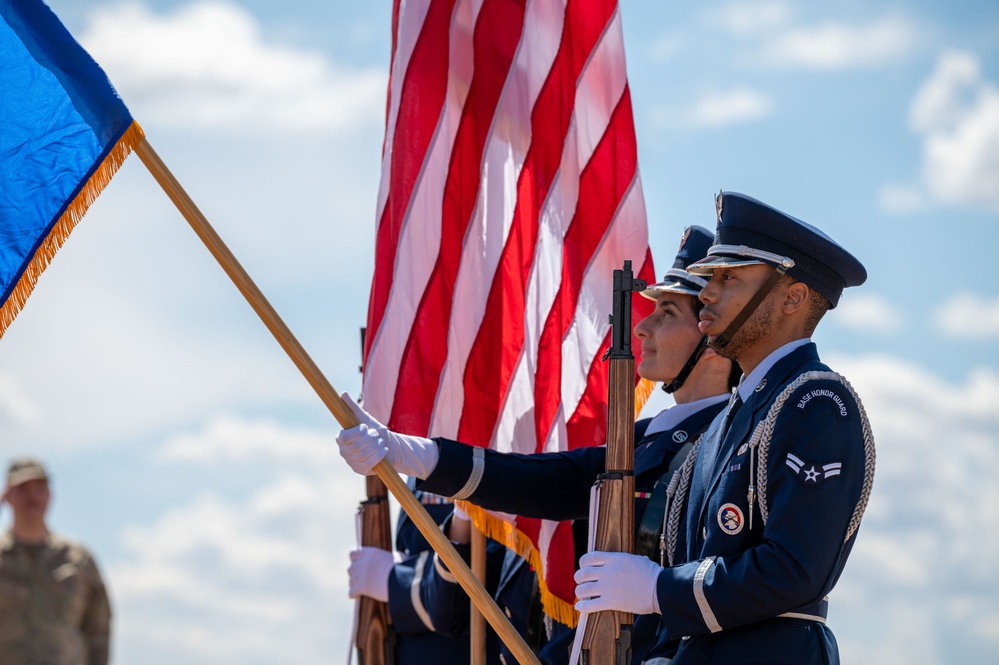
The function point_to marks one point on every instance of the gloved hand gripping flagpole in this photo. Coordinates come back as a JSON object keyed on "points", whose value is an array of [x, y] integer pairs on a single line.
{"points": [[482, 600]]}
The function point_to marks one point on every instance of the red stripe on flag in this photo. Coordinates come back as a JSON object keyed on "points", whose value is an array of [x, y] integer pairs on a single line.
{"points": [[497, 33], [424, 87], [602, 187], [500, 339], [559, 566]]}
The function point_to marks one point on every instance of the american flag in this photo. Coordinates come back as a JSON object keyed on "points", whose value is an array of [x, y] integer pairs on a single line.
{"points": [[509, 194]]}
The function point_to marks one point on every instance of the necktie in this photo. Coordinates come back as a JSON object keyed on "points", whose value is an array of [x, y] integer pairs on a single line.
{"points": [[733, 408]]}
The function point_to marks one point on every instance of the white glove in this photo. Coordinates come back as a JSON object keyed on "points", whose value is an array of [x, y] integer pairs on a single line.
{"points": [[460, 514], [370, 442], [617, 581], [369, 572]]}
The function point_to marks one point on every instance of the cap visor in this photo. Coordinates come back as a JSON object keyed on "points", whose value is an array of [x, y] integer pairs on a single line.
{"points": [[705, 266], [652, 292]]}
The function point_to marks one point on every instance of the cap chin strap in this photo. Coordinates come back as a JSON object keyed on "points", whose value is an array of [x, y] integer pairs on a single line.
{"points": [[684, 374], [722, 340]]}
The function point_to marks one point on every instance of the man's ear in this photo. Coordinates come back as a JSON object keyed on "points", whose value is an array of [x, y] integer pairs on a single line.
{"points": [[795, 298]]}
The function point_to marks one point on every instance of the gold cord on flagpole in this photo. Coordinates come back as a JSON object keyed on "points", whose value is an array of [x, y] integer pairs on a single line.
{"points": [[332, 400]]}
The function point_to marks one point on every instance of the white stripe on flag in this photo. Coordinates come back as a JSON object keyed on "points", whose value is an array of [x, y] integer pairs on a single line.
{"points": [[604, 71], [503, 158], [419, 242], [411, 17], [626, 236]]}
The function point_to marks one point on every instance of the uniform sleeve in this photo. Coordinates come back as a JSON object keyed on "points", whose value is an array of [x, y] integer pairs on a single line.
{"points": [[96, 624], [815, 472], [447, 604], [554, 486], [406, 606]]}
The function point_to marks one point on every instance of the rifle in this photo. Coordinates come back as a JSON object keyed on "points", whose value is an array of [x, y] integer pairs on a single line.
{"points": [[607, 635], [376, 638]]}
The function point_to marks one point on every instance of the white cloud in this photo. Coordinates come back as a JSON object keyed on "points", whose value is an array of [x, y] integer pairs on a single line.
{"points": [[260, 579], [16, 409], [666, 47], [867, 312], [719, 109], [752, 18], [207, 65], [227, 439], [956, 112], [120, 362], [901, 198], [969, 316], [838, 46], [926, 541]]}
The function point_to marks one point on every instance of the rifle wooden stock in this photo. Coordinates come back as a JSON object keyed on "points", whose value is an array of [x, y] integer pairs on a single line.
{"points": [[607, 638], [376, 640], [324, 389], [607, 635]]}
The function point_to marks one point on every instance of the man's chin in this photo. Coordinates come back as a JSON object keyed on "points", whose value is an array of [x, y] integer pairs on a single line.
{"points": [[727, 351]]}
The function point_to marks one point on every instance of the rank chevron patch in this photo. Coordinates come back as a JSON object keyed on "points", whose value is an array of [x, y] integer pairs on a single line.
{"points": [[810, 473]]}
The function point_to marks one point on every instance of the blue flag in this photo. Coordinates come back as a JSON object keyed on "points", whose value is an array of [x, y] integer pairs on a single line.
{"points": [[64, 131]]}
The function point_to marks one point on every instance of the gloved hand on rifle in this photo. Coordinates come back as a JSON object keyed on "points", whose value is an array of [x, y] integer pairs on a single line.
{"points": [[369, 572], [617, 581], [370, 442]]}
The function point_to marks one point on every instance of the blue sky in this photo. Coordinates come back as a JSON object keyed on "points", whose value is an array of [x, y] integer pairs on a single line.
{"points": [[198, 464]]}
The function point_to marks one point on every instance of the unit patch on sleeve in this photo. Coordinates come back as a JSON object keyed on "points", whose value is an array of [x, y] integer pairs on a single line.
{"points": [[807, 400], [811, 473]]}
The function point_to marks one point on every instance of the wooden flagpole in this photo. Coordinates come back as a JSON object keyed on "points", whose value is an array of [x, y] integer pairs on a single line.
{"points": [[482, 600], [477, 643]]}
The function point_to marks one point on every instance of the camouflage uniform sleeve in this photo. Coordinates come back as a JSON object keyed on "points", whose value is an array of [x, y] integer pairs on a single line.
{"points": [[96, 625]]}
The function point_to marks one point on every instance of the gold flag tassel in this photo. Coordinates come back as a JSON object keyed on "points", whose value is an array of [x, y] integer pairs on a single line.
{"points": [[71, 216]]}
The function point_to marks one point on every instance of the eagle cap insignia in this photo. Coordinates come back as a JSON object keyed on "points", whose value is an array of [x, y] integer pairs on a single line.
{"points": [[718, 204], [684, 237]]}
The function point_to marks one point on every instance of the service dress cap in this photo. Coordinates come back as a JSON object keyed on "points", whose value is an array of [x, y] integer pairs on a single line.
{"points": [[693, 247], [751, 232]]}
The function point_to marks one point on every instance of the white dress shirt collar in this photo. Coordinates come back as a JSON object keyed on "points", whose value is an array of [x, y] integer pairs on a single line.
{"points": [[749, 383], [673, 416]]}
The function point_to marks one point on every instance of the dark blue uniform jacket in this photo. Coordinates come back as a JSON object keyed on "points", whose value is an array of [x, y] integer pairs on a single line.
{"points": [[742, 571], [412, 600]]}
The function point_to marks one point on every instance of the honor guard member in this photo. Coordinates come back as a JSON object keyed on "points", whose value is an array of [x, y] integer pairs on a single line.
{"points": [[401, 579], [510, 580], [556, 486], [54, 607], [781, 479]]}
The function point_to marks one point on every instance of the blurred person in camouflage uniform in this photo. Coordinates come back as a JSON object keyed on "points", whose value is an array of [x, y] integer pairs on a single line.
{"points": [[54, 607]]}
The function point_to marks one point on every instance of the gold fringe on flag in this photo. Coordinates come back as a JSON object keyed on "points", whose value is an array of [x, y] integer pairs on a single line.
{"points": [[70, 217], [504, 532], [643, 391]]}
